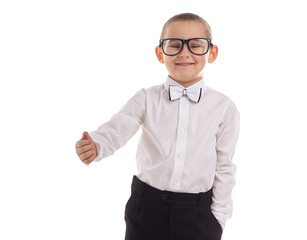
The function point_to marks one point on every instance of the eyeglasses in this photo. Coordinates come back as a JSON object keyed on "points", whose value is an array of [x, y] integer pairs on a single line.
{"points": [[173, 46]]}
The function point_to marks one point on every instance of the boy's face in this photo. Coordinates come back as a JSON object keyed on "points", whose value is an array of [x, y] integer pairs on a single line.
{"points": [[186, 68]]}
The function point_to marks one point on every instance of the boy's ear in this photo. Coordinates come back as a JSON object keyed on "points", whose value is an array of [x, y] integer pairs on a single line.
{"points": [[213, 54], [159, 54]]}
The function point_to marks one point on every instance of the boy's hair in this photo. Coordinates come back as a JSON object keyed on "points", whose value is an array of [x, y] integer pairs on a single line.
{"points": [[187, 17]]}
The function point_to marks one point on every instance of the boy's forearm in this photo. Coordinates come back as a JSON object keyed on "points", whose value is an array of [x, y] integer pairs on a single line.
{"points": [[225, 169], [115, 133]]}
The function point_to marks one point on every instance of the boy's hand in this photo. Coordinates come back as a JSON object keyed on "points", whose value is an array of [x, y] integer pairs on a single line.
{"points": [[86, 149]]}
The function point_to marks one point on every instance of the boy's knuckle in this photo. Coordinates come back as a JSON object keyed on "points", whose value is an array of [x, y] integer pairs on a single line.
{"points": [[83, 156], [87, 161], [80, 150]]}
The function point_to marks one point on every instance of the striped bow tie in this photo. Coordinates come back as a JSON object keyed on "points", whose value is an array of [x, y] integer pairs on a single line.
{"points": [[193, 94]]}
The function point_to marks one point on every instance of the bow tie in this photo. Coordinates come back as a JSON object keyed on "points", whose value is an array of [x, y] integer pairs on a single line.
{"points": [[193, 94]]}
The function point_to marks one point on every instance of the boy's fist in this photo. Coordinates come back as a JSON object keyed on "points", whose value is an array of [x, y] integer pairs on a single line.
{"points": [[86, 149]]}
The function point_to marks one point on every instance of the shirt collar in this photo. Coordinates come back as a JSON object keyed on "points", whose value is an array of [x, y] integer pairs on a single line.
{"points": [[172, 82]]}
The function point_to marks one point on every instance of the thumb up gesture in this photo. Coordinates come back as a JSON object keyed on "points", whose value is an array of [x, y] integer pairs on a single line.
{"points": [[86, 149]]}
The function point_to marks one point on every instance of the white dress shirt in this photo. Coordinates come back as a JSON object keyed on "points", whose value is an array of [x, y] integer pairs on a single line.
{"points": [[184, 146]]}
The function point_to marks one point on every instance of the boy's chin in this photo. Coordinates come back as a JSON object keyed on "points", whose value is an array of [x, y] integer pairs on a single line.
{"points": [[186, 81], [189, 78]]}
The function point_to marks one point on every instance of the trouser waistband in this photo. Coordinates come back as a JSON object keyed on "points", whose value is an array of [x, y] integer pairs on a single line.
{"points": [[152, 193]]}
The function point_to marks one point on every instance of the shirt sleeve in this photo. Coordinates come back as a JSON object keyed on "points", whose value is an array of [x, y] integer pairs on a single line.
{"points": [[224, 180], [121, 127]]}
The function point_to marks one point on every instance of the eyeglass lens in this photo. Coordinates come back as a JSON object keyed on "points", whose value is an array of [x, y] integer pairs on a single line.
{"points": [[196, 46]]}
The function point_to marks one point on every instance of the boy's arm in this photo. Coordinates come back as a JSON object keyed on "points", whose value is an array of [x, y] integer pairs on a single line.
{"points": [[224, 181], [122, 126]]}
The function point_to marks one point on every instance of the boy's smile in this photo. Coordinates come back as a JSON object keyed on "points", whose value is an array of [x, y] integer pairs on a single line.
{"points": [[184, 64], [186, 68]]}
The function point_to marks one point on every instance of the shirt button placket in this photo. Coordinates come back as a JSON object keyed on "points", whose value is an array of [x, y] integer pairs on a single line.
{"points": [[180, 144]]}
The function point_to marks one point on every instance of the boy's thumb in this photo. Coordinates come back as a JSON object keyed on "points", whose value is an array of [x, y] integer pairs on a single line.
{"points": [[85, 135]]}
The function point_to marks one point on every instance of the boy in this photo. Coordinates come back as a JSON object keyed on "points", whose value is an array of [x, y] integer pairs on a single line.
{"points": [[184, 158]]}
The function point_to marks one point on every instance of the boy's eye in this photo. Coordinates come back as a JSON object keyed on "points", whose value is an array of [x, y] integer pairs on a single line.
{"points": [[175, 46], [195, 46]]}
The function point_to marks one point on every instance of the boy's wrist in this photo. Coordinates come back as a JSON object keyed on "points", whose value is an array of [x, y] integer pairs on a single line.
{"points": [[98, 152]]}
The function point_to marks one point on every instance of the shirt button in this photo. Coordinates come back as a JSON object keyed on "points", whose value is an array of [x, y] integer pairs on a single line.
{"points": [[181, 130], [164, 197], [179, 155]]}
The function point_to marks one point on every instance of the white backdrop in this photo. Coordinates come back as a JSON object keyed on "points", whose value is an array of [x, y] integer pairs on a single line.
{"points": [[68, 66]]}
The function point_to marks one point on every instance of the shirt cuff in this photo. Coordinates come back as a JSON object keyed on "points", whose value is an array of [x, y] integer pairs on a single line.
{"points": [[98, 148], [99, 152], [221, 218]]}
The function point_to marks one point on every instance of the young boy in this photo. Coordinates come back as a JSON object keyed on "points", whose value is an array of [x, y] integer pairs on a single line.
{"points": [[184, 157]]}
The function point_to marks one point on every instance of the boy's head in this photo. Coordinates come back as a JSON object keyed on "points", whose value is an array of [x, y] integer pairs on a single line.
{"points": [[185, 60]]}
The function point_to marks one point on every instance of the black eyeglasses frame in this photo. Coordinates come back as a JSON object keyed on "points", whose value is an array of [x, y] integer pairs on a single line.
{"points": [[185, 41]]}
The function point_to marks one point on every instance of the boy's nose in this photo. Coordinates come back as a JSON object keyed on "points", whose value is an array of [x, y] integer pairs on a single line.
{"points": [[185, 51]]}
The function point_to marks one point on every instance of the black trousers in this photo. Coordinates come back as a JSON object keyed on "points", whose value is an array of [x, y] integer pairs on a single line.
{"points": [[152, 214]]}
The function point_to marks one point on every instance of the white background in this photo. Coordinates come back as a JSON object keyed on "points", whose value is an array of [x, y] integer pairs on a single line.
{"points": [[68, 66]]}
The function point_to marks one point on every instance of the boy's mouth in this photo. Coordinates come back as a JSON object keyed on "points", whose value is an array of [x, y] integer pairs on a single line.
{"points": [[184, 64]]}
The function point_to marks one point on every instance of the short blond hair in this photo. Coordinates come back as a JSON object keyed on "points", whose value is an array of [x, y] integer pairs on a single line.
{"points": [[187, 17]]}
